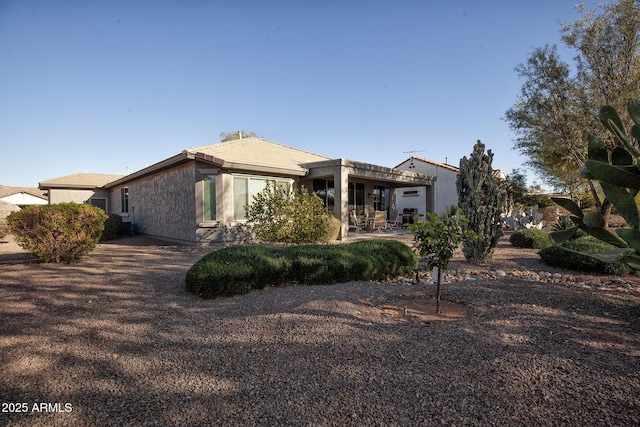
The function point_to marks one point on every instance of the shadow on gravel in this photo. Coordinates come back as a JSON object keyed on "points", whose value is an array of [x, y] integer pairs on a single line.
{"points": [[119, 338]]}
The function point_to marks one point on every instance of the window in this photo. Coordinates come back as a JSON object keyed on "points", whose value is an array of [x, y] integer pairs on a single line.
{"points": [[380, 198], [244, 188], [99, 203], [324, 189], [356, 197], [209, 182], [124, 200]]}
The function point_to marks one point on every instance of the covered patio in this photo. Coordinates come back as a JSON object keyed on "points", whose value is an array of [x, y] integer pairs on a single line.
{"points": [[349, 187]]}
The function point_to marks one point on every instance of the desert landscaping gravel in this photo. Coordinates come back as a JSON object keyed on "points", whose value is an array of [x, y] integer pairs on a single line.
{"points": [[116, 340]]}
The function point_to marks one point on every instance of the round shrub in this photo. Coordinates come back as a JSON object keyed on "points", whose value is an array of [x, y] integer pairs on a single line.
{"points": [[530, 238], [333, 229], [111, 227], [238, 269], [62, 232], [558, 257]]}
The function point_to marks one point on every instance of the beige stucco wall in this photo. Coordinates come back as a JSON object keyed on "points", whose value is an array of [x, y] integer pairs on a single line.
{"points": [[162, 204], [61, 195], [445, 193]]}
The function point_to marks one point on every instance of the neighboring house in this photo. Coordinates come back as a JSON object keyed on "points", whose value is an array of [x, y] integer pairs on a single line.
{"points": [[80, 188], [200, 194], [21, 196], [444, 193]]}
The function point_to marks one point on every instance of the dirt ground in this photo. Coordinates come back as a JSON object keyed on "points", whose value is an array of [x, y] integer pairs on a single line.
{"points": [[116, 339], [411, 309]]}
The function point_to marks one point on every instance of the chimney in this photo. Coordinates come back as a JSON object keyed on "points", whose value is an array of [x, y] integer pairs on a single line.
{"points": [[446, 160]]}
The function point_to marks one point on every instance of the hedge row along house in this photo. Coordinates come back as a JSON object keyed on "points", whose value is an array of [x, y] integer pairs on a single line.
{"points": [[199, 195]]}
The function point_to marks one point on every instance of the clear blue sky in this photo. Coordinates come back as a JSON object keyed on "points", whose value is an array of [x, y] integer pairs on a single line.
{"points": [[99, 86]]}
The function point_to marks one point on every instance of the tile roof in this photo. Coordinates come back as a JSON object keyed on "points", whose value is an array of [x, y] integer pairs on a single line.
{"points": [[80, 180], [258, 153], [9, 191]]}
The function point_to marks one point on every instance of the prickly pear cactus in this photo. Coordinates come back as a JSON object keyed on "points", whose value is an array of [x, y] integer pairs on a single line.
{"points": [[480, 199], [619, 176]]}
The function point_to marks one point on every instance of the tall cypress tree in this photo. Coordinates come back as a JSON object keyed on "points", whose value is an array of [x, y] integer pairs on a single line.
{"points": [[481, 199]]}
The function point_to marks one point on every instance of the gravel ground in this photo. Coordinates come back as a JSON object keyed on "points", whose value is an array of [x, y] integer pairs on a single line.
{"points": [[116, 340]]}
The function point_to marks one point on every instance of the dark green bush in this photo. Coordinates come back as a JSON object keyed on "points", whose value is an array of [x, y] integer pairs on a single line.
{"points": [[62, 232], [558, 257], [111, 227], [238, 269], [530, 238]]}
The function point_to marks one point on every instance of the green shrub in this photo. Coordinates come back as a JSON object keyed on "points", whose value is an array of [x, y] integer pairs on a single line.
{"points": [[238, 269], [530, 238], [278, 214], [61, 232], [111, 227], [333, 229], [556, 256]]}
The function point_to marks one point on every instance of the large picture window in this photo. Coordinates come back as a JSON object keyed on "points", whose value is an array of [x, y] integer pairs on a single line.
{"points": [[209, 197], [244, 188]]}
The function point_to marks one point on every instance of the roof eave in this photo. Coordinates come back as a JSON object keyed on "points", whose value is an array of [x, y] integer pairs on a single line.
{"points": [[377, 172], [185, 156], [44, 186], [265, 169]]}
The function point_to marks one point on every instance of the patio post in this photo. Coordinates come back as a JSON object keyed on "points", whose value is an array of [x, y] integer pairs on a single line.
{"points": [[341, 207]]}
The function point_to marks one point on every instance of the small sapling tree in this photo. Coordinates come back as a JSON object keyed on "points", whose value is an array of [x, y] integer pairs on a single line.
{"points": [[437, 237]]}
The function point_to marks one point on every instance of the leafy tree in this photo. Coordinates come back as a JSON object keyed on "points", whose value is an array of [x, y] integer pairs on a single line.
{"points": [[239, 134], [548, 119], [280, 215], [515, 187], [437, 237], [554, 109], [481, 199]]}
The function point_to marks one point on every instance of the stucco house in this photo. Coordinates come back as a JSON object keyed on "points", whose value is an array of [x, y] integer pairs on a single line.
{"points": [[80, 188], [199, 194], [442, 195], [21, 196]]}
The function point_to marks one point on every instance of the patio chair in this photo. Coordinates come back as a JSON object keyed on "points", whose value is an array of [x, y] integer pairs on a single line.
{"points": [[369, 214], [356, 223], [394, 223], [379, 220]]}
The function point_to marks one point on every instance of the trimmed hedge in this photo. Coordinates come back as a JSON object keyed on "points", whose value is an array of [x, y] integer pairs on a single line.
{"points": [[239, 269], [62, 232], [557, 257], [530, 238]]}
